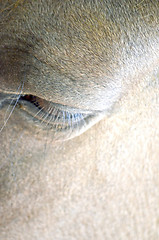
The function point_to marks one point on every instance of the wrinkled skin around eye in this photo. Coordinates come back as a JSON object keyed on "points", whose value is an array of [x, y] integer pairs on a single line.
{"points": [[88, 55]]}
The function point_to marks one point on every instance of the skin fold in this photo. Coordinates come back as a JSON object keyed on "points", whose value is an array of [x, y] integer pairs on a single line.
{"points": [[95, 62]]}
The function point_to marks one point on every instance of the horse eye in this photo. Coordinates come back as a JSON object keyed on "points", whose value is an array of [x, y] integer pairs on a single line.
{"points": [[65, 122], [62, 121], [51, 113]]}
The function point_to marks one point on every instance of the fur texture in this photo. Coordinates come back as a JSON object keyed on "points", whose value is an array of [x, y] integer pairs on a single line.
{"points": [[95, 56]]}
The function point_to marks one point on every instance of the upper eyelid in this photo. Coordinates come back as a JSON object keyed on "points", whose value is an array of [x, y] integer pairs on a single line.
{"points": [[72, 109], [67, 108]]}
